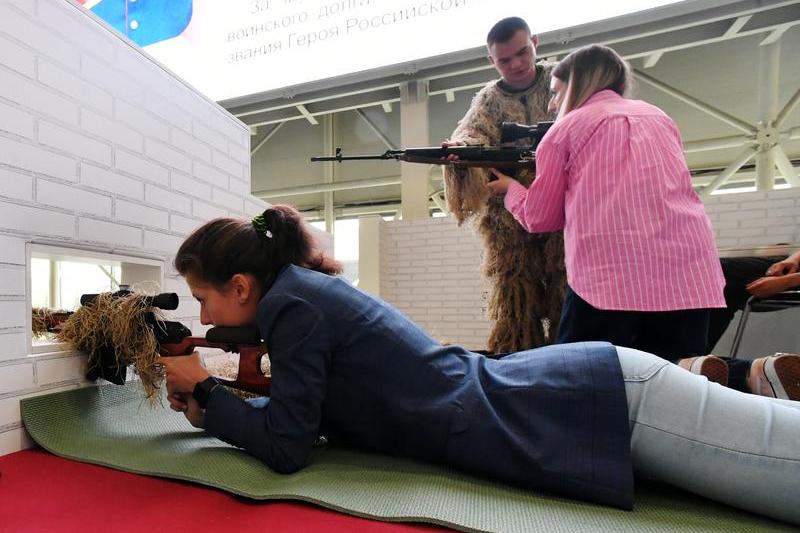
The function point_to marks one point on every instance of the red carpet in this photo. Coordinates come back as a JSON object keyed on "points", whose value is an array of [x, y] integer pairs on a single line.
{"points": [[43, 493]]}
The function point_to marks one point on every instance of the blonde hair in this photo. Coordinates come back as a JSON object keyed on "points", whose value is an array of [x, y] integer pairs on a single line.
{"points": [[588, 70]]}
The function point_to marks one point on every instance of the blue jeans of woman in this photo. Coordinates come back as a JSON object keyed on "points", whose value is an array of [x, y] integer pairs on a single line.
{"points": [[736, 448]]}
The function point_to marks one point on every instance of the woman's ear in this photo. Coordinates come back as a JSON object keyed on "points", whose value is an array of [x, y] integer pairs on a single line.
{"points": [[243, 287]]}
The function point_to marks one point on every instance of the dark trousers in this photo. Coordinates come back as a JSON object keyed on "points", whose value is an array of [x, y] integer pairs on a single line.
{"points": [[671, 335]]}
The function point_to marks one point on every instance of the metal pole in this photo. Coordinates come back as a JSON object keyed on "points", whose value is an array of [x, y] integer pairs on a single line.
{"points": [[787, 109], [729, 171], [718, 143], [765, 170], [769, 86], [266, 138], [785, 166], [330, 170], [329, 187], [697, 104], [382, 136], [414, 120]]}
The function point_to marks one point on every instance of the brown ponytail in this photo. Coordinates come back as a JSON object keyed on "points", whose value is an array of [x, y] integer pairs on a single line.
{"points": [[227, 246]]}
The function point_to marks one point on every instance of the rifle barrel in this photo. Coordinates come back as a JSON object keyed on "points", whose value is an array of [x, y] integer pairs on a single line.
{"points": [[340, 158]]}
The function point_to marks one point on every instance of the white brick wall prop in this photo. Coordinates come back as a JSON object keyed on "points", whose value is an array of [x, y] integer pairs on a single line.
{"points": [[430, 270], [101, 149]]}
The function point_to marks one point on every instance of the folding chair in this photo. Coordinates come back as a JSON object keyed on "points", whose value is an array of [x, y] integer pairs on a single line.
{"points": [[782, 300]]}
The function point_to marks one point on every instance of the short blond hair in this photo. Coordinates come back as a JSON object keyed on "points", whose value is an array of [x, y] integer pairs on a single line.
{"points": [[591, 69]]}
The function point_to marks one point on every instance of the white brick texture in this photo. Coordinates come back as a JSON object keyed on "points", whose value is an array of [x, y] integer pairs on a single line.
{"points": [[12, 250], [109, 232], [12, 314], [141, 167], [14, 344], [37, 98], [16, 377], [72, 198], [141, 214], [430, 270], [36, 158], [754, 219], [14, 440], [15, 185], [12, 280], [50, 371], [106, 180], [16, 121], [99, 148]]}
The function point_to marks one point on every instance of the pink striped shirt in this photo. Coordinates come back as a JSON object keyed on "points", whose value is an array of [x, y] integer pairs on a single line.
{"points": [[612, 175]]}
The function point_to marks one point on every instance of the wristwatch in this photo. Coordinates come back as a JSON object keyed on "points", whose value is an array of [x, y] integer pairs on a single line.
{"points": [[202, 391]]}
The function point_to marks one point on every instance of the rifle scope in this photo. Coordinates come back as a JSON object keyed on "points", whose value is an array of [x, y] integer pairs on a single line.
{"points": [[512, 131], [166, 300]]}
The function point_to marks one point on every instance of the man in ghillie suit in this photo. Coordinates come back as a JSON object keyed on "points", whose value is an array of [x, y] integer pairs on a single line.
{"points": [[526, 271]]}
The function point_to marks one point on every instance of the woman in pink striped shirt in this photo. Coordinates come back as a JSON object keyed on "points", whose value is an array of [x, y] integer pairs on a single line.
{"points": [[642, 265]]}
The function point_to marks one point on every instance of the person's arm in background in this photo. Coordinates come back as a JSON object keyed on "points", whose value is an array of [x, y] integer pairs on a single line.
{"points": [[781, 276], [790, 265], [769, 285]]}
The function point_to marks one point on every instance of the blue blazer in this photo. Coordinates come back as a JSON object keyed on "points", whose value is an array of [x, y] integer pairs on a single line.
{"points": [[349, 365]]}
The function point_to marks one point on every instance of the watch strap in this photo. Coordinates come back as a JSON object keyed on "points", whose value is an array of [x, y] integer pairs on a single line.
{"points": [[202, 390]]}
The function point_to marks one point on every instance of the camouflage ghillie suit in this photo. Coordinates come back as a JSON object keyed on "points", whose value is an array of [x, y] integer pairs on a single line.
{"points": [[526, 271]]}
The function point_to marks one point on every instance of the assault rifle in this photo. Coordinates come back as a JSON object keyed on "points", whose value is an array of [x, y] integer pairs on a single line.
{"points": [[507, 155], [174, 339]]}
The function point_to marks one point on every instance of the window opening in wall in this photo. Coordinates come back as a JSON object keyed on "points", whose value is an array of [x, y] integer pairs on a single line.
{"points": [[57, 277]]}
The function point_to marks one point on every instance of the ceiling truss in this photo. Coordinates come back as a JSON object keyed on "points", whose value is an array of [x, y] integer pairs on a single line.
{"points": [[647, 40]]}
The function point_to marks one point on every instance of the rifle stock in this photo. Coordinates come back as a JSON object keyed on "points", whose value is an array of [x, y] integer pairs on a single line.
{"points": [[244, 341]]}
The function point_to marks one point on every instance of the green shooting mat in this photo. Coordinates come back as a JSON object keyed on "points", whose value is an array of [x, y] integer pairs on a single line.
{"points": [[113, 426]]}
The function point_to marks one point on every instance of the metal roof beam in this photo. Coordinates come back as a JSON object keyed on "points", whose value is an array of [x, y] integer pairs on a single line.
{"points": [[696, 103], [649, 40], [376, 130], [328, 187], [266, 138]]}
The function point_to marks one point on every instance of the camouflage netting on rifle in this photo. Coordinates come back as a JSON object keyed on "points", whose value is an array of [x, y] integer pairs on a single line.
{"points": [[41, 318], [118, 322], [525, 271]]}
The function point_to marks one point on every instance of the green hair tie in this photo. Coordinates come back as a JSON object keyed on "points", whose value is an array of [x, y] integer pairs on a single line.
{"points": [[261, 226]]}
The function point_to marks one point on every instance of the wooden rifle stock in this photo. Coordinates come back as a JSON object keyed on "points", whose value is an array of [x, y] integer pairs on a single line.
{"points": [[244, 341]]}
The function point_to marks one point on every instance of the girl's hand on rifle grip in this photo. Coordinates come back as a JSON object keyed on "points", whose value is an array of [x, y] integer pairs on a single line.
{"points": [[183, 372], [501, 183]]}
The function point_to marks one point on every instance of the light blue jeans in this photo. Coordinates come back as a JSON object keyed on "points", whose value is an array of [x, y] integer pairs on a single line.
{"points": [[736, 448]]}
